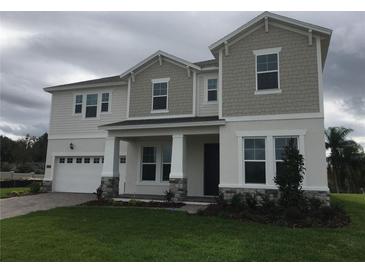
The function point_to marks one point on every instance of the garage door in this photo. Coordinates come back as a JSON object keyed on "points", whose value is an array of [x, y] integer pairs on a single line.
{"points": [[77, 174]]}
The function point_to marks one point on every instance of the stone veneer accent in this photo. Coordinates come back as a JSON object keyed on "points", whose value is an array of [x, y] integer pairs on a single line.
{"points": [[273, 193], [179, 186], [110, 187], [46, 186]]}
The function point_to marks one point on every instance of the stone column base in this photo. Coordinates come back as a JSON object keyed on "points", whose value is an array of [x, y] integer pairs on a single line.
{"points": [[110, 187], [179, 187], [46, 186], [323, 196]]}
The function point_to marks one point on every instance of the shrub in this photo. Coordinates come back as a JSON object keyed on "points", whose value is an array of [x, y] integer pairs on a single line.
{"points": [[24, 168], [290, 178], [169, 196], [99, 193], [237, 201], [293, 213], [220, 199], [35, 187], [251, 200]]}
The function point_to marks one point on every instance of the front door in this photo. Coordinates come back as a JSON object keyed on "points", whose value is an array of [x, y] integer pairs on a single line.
{"points": [[211, 169]]}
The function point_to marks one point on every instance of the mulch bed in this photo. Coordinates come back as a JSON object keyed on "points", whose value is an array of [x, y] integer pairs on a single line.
{"points": [[133, 203]]}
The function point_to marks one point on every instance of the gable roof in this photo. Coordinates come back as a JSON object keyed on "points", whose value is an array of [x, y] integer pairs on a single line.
{"points": [[157, 54], [275, 17]]}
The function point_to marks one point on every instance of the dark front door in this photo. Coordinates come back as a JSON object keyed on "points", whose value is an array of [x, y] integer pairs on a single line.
{"points": [[211, 169]]}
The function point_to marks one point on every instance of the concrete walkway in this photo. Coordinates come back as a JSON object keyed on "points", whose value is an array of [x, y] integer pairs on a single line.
{"points": [[11, 207]]}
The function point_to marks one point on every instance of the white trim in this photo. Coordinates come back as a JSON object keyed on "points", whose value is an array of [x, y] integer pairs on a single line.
{"points": [[274, 117], [109, 102], [220, 85], [158, 81], [267, 91], [83, 86], [166, 125], [161, 116], [298, 31], [97, 106], [210, 68], [128, 96], [320, 80], [266, 52], [263, 133], [273, 16], [159, 53], [206, 90], [74, 104], [194, 93]]}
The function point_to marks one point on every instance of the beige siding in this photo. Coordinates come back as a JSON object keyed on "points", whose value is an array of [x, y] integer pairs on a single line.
{"points": [[298, 75], [63, 121], [205, 108], [180, 90]]}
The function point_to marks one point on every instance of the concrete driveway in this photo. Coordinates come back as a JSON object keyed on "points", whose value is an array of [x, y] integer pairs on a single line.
{"points": [[11, 207]]}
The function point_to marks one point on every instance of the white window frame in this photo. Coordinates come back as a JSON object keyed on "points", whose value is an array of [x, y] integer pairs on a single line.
{"points": [[269, 153], [206, 101], [149, 163], [275, 160], [109, 102], [266, 52], [157, 81], [97, 105], [74, 104], [258, 161]]}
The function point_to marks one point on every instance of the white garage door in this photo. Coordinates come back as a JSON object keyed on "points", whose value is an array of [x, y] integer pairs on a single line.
{"points": [[77, 174]]}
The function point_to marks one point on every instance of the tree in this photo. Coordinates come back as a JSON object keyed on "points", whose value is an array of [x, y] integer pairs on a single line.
{"points": [[336, 141], [290, 178]]}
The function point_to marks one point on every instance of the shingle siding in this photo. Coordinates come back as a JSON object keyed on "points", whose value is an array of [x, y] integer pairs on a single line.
{"points": [[298, 75], [204, 108], [180, 90]]}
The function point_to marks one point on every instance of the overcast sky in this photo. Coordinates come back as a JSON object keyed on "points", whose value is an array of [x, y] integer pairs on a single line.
{"points": [[45, 49]]}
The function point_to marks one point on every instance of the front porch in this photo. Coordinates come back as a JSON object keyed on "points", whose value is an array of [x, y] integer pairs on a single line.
{"points": [[183, 159]]}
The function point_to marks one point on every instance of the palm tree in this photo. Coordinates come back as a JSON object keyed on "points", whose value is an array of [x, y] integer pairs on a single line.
{"points": [[336, 142]]}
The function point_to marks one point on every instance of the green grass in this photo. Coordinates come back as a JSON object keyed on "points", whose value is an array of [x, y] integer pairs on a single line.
{"points": [[135, 234], [6, 192]]}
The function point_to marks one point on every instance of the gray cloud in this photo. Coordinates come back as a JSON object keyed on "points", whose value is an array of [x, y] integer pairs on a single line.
{"points": [[50, 48]]}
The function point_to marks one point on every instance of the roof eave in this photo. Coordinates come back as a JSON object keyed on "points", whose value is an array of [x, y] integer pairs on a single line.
{"points": [[82, 86]]}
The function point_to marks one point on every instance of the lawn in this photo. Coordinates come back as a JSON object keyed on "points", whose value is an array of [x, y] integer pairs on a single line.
{"points": [[6, 192], [136, 234]]}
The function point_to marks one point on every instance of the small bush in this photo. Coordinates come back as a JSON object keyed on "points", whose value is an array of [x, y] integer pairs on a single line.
{"points": [[237, 201], [220, 199], [24, 168], [99, 193], [251, 200], [35, 187], [293, 213], [169, 196]]}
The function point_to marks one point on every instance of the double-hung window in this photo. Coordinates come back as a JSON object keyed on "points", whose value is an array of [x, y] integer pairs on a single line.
{"points": [[78, 104], [212, 90], [105, 102], [159, 94], [166, 162], [280, 144], [149, 164], [254, 160], [267, 69], [91, 105]]}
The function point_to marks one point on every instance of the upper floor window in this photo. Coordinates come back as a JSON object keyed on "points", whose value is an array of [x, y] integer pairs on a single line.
{"points": [[91, 105], [105, 102], [212, 90], [78, 104], [159, 94], [267, 69]]}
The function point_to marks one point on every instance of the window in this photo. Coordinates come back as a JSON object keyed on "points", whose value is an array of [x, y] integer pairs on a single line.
{"points": [[166, 162], [87, 160], [102, 160], [105, 102], [78, 104], [91, 105], [280, 144], [78, 160], [149, 164], [159, 96], [123, 159], [96, 160], [212, 90], [69, 160], [62, 160], [254, 160], [267, 71]]}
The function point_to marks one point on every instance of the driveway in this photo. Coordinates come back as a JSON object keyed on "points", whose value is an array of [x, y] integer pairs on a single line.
{"points": [[16, 206]]}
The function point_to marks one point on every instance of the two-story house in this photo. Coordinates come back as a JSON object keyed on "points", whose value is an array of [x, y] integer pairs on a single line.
{"points": [[197, 128]]}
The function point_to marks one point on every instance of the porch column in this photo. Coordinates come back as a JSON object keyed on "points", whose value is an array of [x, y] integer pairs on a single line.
{"points": [[178, 181], [110, 172]]}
